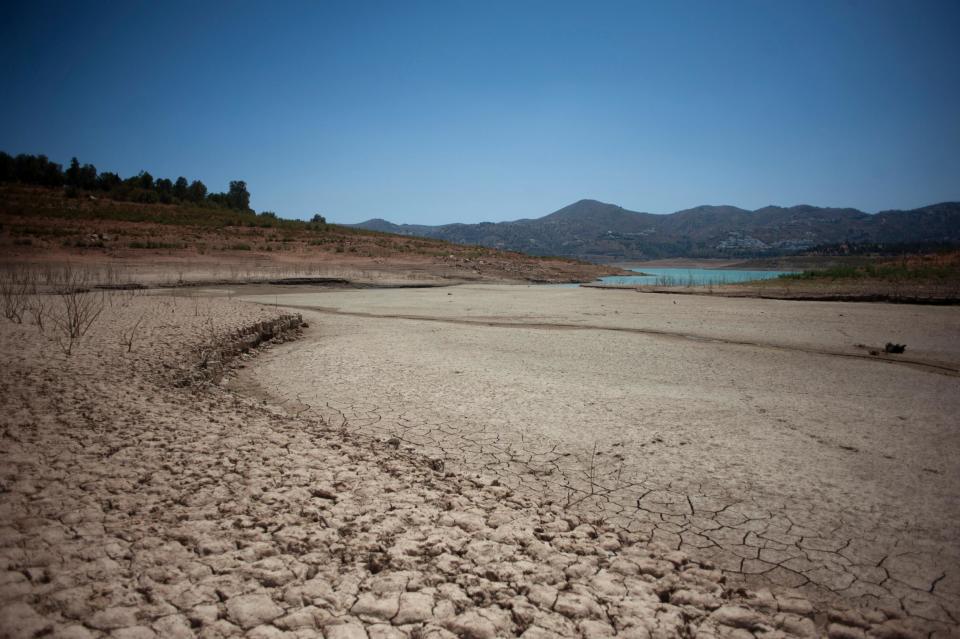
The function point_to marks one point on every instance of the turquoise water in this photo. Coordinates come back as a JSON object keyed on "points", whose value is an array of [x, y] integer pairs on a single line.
{"points": [[689, 276]]}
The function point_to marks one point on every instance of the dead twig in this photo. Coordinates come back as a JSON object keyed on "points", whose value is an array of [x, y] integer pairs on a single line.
{"points": [[128, 336]]}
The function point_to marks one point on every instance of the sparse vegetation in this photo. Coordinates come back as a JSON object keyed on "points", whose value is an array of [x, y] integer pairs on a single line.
{"points": [[15, 286], [883, 272], [935, 267]]}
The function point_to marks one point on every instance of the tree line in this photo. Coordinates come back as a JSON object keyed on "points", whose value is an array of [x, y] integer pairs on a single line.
{"points": [[143, 187]]}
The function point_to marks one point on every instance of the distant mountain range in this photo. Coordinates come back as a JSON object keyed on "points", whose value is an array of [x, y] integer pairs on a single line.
{"points": [[601, 232]]}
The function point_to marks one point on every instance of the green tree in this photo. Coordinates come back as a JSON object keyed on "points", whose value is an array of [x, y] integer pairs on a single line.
{"points": [[72, 174], [197, 191], [146, 181], [164, 189], [8, 171], [108, 181], [87, 177], [238, 197], [51, 173], [181, 188]]}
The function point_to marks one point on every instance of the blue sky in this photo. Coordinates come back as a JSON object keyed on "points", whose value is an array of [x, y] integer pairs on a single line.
{"points": [[435, 112]]}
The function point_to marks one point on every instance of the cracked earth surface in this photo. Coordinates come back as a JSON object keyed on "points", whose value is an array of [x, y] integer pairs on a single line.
{"points": [[759, 436]]}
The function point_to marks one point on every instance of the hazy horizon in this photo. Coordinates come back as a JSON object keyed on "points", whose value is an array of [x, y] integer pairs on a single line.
{"points": [[437, 113]]}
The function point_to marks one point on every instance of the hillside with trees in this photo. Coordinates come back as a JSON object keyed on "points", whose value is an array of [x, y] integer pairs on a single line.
{"points": [[38, 170]]}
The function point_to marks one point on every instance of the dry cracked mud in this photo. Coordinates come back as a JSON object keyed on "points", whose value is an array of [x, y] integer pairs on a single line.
{"points": [[140, 499], [759, 436]]}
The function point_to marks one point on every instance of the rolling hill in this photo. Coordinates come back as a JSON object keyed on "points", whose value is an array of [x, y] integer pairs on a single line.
{"points": [[602, 232]]}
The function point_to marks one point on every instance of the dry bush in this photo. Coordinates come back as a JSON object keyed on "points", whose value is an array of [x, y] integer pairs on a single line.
{"points": [[37, 305], [15, 287], [78, 306]]}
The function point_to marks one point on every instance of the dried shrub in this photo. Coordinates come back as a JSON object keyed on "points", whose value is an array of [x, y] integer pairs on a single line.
{"points": [[78, 307]]}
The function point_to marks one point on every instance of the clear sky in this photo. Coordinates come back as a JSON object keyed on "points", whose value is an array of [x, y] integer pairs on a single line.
{"points": [[435, 112]]}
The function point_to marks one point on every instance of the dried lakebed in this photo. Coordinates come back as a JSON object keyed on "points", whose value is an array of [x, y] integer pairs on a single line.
{"points": [[138, 499], [760, 436]]}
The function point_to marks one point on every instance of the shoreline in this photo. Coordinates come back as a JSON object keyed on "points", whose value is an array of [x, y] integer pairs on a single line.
{"points": [[738, 291]]}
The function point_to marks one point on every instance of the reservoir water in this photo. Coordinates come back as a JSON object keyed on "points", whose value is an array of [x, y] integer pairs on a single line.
{"points": [[689, 276]]}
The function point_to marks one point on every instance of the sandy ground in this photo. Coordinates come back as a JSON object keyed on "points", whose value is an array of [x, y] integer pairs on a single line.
{"points": [[139, 498], [760, 436]]}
